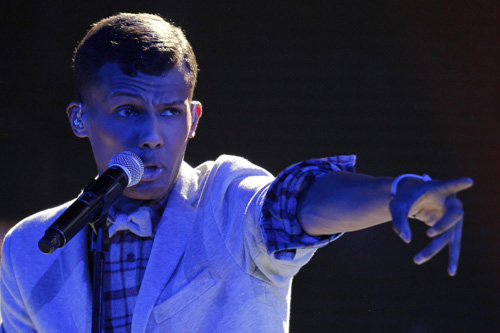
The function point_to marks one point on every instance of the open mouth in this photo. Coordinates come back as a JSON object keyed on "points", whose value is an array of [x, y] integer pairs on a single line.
{"points": [[151, 172]]}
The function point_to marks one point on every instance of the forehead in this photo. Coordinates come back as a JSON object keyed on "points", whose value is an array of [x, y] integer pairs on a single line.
{"points": [[112, 81]]}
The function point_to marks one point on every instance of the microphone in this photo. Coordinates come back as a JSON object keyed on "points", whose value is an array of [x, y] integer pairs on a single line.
{"points": [[125, 169]]}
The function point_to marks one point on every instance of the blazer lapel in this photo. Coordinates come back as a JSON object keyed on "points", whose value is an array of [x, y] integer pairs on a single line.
{"points": [[75, 272], [169, 245]]}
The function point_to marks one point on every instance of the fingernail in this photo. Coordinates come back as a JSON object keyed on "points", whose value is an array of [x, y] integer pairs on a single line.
{"points": [[418, 259], [431, 233]]}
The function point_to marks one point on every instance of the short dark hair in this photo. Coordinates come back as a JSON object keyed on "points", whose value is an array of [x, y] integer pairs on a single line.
{"points": [[143, 43]]}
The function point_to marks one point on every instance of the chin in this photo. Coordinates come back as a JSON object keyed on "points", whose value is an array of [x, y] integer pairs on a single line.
{"points": [[139, 192]]}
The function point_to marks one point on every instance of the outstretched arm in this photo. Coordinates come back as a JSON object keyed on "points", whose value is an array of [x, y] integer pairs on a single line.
{"points": [[342, 201]]}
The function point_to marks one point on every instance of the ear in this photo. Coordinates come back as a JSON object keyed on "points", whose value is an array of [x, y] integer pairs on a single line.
{"points": [[76, 119], [196, 111]]}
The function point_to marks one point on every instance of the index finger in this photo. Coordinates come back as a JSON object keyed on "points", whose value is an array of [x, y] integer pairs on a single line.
{"points": [[455, 185]]}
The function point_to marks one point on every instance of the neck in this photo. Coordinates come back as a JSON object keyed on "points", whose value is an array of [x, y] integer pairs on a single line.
{"points": [[127, 205]]}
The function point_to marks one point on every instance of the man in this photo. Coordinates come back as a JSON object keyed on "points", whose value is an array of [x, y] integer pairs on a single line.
{"points": [[219, 244]]}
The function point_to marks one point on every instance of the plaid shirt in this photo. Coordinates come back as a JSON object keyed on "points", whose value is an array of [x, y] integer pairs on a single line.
{"points": [[124, 268], [128, 257], [282, 231]]}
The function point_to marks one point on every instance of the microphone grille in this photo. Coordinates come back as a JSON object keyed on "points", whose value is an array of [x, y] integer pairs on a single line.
{"points": [[131, 164]]}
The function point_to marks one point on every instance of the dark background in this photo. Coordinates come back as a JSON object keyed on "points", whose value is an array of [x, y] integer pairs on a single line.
{"points": [[408, 86]]}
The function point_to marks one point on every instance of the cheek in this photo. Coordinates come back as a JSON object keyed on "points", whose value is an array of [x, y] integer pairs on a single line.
{"points": [[106, 140], [175, 134], [108, 133]]}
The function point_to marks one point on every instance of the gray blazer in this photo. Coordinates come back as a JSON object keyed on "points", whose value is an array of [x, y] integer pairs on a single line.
{"points": [[209, 269]]}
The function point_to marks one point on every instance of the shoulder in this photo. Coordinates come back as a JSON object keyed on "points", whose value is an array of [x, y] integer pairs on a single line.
{"points": [[226, 169], [235, 166], [33, 227], [231, 177]]}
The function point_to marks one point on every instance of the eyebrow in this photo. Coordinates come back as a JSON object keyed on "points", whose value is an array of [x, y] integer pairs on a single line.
{"points": [[133, 95], [124, 93]]}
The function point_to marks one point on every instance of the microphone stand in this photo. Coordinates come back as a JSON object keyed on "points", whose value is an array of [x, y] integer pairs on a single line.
{"points": [[99, 247]]}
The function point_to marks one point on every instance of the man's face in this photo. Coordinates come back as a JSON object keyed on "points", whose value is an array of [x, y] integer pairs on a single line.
{"points": [[151, 116]]}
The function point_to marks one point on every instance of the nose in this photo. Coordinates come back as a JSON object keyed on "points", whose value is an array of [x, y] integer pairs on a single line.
{"points": [[151, 135]]}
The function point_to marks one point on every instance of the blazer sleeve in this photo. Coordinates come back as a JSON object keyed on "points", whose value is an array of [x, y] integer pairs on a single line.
{"points": [[14, 315]]}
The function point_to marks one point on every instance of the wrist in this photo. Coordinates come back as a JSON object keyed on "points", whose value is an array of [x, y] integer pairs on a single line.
{"points": [[405, 183], [404, 178]]}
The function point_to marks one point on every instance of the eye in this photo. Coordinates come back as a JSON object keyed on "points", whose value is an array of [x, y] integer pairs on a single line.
{"points": [[127, 111], [171, 112]]}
